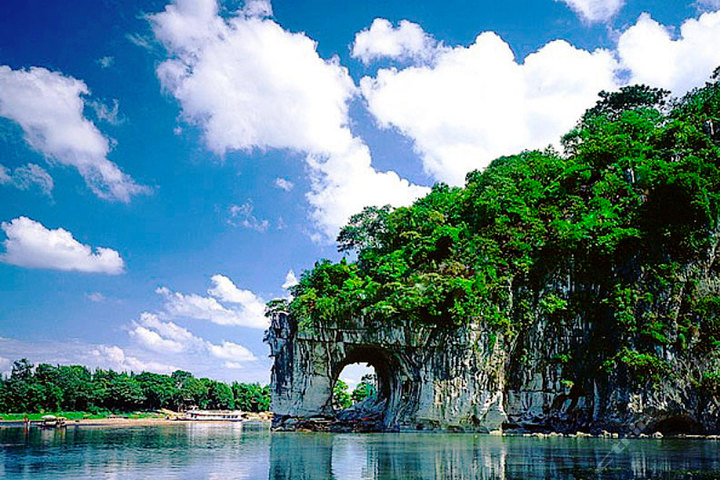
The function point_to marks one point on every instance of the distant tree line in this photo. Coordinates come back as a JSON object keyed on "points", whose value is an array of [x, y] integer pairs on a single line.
{"points": [[343, 399], [47, 388]]}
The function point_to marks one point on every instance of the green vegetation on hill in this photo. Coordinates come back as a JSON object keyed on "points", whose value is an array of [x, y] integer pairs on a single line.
{"points": [[619, 229], [49, 388]]}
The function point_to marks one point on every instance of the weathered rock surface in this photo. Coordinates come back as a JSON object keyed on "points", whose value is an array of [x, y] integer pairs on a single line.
{"points": [[469, 379], [427, 378]]}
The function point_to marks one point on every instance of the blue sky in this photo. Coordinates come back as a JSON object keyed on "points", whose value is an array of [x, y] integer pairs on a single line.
{"points": [[166, 167]]}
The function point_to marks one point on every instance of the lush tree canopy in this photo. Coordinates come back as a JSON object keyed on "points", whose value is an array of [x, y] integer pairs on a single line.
{"points": [[631, 202]]}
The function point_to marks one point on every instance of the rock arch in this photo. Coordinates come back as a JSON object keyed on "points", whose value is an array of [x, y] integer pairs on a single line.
{"points": [[428, 378], [470, 378]]}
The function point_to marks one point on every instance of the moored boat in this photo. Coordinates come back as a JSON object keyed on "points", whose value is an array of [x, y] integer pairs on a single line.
{"points": [[51, 421]]}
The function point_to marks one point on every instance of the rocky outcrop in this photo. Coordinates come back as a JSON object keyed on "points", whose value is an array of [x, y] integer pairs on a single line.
{"points": [[472, 379], [428, 378]]}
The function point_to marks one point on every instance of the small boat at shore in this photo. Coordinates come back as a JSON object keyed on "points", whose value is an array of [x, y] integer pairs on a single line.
{"points": [[51, 421], [215, 415]]}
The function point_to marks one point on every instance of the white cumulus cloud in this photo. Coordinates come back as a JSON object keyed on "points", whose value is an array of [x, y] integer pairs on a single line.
{"points": [[167, 337], [246, 303], [154, 341], [31, 244], [654, 57], [49, 108], [382, 40], [594, 11], [198, 307], [250, 84], [238, 307], [231, 351], [114, 357], [477, 103], [470, 105]]}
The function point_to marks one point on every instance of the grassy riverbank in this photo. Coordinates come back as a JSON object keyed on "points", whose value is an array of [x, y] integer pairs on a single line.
{"points": [[123, 419], [17, 417]]}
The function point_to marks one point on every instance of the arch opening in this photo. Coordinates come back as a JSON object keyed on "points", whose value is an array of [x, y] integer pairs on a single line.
{"points": [[356, 384], [362, 388]]}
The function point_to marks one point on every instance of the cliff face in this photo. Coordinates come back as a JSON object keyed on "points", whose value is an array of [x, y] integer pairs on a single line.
{"points": [[572, 374], [553, 376]]}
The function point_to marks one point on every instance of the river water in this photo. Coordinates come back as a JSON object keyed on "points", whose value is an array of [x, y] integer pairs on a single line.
{"points": [[237, 451]]}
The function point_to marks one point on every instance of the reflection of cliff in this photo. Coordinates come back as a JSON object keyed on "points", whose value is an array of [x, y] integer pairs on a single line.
{"points": [[216, 452], [466, 457], [300, 457]]}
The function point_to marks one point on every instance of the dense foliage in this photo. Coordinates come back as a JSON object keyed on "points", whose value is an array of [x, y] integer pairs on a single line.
{"points": [[342, 398], [52, 388], [624, 214]]}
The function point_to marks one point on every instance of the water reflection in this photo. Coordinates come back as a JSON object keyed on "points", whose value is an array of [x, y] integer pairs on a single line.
{"points": [[234, 451], [423, 456]]}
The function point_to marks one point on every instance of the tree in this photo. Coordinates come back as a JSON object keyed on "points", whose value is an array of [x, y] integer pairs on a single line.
{"points": [[251, 397], [341, 398], [632, 97], [192, 392], [364, 230], [75, 388], [367, 388], [160, 391], [220, 396], [22, 370], [125, 393]]}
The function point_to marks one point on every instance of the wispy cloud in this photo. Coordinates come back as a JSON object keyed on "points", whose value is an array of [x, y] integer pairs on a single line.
{"points": [[106, 113], [106, 62], [284, 184], [242, 216], [96, 297], [76, 352], [225, 304], [27, 176]]}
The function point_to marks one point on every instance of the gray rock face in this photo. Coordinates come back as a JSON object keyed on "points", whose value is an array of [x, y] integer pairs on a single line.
{"points": [[427, 378], [469, 379]]}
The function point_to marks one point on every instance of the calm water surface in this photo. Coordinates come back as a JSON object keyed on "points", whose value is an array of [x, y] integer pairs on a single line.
{"points": [[232, 451]]}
